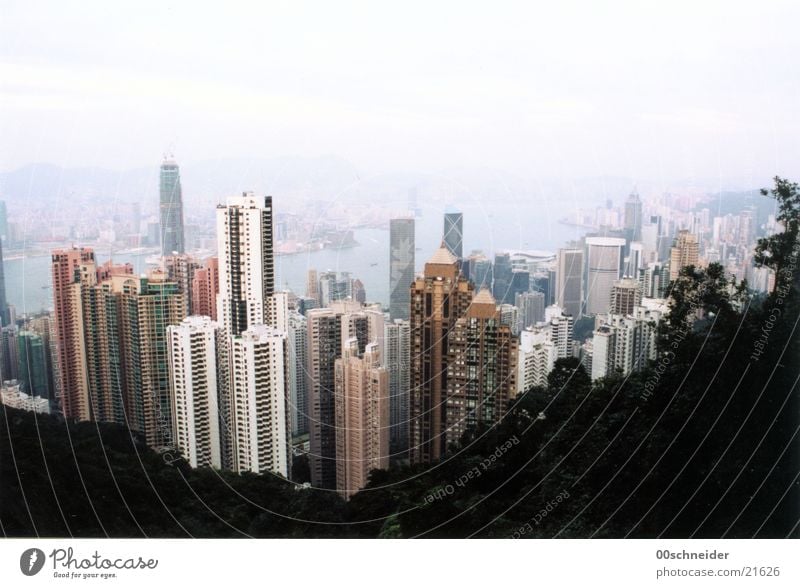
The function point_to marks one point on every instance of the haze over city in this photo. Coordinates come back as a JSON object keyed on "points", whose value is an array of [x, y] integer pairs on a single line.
{"points": [[686, 92]]}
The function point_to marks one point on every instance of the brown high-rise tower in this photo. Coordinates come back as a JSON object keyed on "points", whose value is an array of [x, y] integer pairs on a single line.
{"points": [[438, 299], [69, 269], [482, 368]]}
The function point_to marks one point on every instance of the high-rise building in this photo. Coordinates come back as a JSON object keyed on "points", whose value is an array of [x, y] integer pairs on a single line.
{"points": [[180, 268], [3, 221], [454, 233], [633, 217], [624, 343], [68, 268], [684, 252], [561, 327], [297, 342], [503, 274], [438, 299], [520, 282], [397, 357], [261, 421], [362, 417], [193, 366], [42, 327], [536, 357], [171, 208], [531, 308], [5, 318], [312, 287], [635, 260], [147, 307], [625, 296], [509, 316], [604, 263], [324, 348], [101, 290], [246, 262], [328, 329], [9, 361], [482, 368], [480, 271], [205, 287], [654, 280], [401, 266]]}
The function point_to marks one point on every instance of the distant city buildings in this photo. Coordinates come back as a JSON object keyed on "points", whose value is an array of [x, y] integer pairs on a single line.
{"points": [[171, 209], [684, 252], [401, 266], [207, 357], [453, 234]]}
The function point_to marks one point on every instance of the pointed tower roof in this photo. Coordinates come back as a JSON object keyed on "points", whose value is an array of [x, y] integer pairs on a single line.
{"points": [[443, 256], [442, 264], [483, 305]]}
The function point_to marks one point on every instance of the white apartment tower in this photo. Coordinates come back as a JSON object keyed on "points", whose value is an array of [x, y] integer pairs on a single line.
{"points": [[195, 390], [258, 394], [246, 262]]}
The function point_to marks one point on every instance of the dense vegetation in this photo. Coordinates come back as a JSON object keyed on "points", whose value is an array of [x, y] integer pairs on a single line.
{"points": [[702, 444]]}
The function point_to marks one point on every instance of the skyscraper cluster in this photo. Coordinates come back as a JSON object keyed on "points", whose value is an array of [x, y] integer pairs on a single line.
{"points": [[209, 357]]}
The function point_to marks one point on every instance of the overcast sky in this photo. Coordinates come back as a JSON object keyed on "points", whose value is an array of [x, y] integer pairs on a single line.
{"points": [[636, 89]]}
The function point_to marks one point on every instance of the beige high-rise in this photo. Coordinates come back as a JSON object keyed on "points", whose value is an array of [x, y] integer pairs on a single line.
{"points": [[684, 252], [362, 417]]}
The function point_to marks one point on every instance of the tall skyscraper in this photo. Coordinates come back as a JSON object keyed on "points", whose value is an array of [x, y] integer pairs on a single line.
{"points": [[67, 273], [362, 417], [171, 208], [5, 318], [604, 263], [312, 286], [684, 252], [401, 266], [454, 233], [482, 368], [148, 306], [297, 342], [101, 290], [328, 330], [246, 263], [569, 281], [193, 366], [503, 274], [397, 358], [531, 307], [480, 270], [438, 299], [205, 287], [633, 217], [261, 421], [3, 220], [324, 348]]}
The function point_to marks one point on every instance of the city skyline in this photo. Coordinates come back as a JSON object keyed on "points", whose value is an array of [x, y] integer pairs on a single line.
{"points": [[438, 270]]}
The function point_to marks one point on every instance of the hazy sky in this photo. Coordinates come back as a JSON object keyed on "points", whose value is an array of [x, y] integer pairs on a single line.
{"points": [[638, 89]]}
